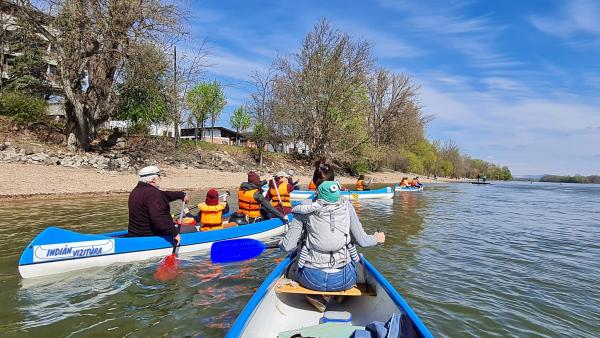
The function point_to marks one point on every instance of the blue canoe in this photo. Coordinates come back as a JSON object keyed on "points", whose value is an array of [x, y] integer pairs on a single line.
{"points": [[397, 187], [383, 193], [57, 250], [279, 309]]}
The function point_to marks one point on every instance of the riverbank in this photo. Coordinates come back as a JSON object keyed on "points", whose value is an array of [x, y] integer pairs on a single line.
{"points": [[34, 181]]}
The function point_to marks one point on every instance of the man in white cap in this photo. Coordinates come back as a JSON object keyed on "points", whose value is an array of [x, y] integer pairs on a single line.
{"points": [[149, 210], [279, 192]]}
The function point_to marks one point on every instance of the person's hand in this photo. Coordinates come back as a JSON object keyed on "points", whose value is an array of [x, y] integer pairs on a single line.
{"points": [[380, 237], [177, 239], [186, 199]]}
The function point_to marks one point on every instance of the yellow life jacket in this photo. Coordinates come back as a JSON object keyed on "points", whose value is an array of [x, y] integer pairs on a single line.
{"points": [[360, 185], [312, 186], [284, 194], [212, 215], [247, 204]]}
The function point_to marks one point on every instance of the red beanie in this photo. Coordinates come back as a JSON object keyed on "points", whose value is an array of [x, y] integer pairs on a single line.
{"points": [[212, 197], [254, 178]]}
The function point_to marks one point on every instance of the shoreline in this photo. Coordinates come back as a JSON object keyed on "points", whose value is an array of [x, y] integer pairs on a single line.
{"points": [[36, 181]]}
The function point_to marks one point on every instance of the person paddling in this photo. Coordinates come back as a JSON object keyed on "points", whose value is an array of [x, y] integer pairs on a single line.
{"points": [[360, 184], [253, 204], [210, 213], [149, 210], [280, 194]]}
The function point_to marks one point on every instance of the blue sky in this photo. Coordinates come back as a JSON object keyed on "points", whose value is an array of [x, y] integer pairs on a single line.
{"points": [[511, 82]]}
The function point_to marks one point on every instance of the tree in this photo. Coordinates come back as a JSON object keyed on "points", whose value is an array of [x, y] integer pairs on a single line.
{"points": [[205, 100], [219, 103], [92, 39], [260, 136], [327, 78], [145, 88], [240, 120], [27, 57]]}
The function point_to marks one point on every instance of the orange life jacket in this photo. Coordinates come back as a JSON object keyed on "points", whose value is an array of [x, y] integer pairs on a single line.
{"points": [[212, 215], [283, 194], [247, 204], [404, 183], [312, 186], [360, 185]]}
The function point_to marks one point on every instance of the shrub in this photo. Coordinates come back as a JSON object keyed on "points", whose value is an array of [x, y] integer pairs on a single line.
{"points": [[23, 107]]}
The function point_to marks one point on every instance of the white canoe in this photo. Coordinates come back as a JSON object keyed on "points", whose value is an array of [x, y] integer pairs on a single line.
{"points": [[272, 313]]}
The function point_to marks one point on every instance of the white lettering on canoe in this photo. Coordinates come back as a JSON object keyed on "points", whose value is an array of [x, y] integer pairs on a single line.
{"points": [[42, 253]]}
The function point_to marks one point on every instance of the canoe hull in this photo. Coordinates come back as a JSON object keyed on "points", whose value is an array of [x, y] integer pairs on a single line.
{"points": [[399, 188], [383, 193], [268, 313], [57, 250]]}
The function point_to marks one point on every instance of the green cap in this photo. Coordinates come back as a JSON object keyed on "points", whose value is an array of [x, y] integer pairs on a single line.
{"points": [[329, 191]]}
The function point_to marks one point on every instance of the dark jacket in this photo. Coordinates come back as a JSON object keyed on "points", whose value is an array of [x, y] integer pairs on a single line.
{"points": [[149, 211], [264, 203]]}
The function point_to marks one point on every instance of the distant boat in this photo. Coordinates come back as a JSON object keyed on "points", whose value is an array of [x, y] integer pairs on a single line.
{"points": [[481, 183]]}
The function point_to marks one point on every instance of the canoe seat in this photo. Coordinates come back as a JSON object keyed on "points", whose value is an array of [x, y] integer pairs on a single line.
{"points": [[287, 286]]}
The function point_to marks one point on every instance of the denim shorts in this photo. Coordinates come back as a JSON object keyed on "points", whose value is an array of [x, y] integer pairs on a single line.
{"points": [[317, 279]]}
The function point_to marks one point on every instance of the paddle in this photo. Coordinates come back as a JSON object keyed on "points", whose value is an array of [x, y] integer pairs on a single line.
{"points": [[279, 197], [236, 250], [169, 268]]}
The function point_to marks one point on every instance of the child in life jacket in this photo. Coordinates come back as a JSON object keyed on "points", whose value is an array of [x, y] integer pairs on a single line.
{"points": [[210, 214]]}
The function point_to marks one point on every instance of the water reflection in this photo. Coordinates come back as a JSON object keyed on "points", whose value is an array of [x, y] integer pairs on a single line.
{"points": [[503, 260]]}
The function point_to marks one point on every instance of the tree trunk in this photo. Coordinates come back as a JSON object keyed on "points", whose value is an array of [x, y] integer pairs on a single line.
{"points": [[202, 132], [212, 130], [237, 133]]}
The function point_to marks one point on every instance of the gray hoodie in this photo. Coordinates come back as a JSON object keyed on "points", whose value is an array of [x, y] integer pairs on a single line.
{"points": [[329, 228]]}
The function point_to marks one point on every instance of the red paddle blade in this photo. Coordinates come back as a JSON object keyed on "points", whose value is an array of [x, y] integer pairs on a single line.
{"points": [[168, 269]]}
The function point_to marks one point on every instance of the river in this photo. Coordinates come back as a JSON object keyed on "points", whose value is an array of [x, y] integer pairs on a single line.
{"points": [[509, 259]]}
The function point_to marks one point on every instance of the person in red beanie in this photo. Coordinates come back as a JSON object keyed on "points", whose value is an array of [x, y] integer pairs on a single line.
{"points": [[211, 211], [253, 204]]}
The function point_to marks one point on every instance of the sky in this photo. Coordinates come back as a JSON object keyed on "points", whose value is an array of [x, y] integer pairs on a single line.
{"points": [[511, 82]]}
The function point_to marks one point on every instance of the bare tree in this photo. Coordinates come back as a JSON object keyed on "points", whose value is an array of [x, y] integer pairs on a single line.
{"points": [[327, 77], [92, 39]]}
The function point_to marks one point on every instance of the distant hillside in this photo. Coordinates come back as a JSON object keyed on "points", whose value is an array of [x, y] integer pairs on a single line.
{"points": [[570, 179]]}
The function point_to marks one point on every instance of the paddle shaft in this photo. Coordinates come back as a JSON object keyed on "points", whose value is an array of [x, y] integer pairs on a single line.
{"points": [[279, 197], [179, 225]]}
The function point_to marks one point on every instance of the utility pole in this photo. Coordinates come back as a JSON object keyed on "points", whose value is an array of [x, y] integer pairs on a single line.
{"points": [[176, 117]]}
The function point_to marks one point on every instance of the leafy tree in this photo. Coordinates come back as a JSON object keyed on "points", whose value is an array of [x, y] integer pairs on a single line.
{"points": [[205, 100], [260, 136], [92, 39], [240, 120], [144, 91]]}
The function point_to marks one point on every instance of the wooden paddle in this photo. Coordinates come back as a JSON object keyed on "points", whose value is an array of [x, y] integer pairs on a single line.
{"points": [[237, 250], [169, 268]]}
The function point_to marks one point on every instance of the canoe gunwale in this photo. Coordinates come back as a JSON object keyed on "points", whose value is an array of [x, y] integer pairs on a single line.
{"points": [[242, 321]]}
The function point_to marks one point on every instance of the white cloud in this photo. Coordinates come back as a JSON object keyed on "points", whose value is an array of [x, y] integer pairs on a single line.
{"points": [[532, 134], [578, 16]]}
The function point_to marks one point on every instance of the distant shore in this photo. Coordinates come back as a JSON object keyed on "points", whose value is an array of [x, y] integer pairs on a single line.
{"points": [[32, 181]]}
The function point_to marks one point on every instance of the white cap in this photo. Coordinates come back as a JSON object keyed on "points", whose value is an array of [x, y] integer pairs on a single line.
{"points": [[281, 174], [149, 171], [290, 172]]}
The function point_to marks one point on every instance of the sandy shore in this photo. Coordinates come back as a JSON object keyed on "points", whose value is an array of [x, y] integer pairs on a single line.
{"points": [[21, 181]]}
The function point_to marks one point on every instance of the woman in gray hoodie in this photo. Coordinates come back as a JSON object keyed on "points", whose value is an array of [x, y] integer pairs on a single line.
{"points": [[331, 229]]}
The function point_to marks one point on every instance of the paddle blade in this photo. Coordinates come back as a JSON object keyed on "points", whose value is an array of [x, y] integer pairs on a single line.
{"points": [[236, 250], [168, 269]]}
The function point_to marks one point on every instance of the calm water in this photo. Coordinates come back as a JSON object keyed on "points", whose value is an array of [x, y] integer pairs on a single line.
{"points": [[513, 259]]}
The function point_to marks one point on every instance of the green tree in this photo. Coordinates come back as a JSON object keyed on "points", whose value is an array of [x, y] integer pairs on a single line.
{"points": [[447, 168], [240, 120], [144, 91], [205, 100], [260, 136]]}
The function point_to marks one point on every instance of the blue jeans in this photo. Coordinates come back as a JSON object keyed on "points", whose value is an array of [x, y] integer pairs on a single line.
{"points": [[317, 279]]}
